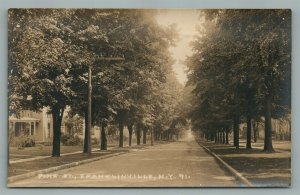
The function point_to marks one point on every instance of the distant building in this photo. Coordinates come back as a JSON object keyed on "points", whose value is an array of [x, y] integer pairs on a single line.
{"points": [[40, 125], [37, 124], [281, 129]]}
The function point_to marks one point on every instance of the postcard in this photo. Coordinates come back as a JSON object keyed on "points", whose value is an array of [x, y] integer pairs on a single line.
{"points": [[149, 97]]}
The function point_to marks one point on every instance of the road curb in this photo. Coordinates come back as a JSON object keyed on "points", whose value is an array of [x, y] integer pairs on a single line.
{"points": [[238, 175], [60, 167]]}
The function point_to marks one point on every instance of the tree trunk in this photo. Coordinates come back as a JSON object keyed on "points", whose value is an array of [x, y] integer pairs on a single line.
{"points": [[121, 128], [255, 131], [103, 138], [227, 135], [57, 114], [154, 135], [216, 137], [223, 137], [151, 136], [130, 133], [255, 135], [144, 135], [268, 146], [86, 132], [157, 135], [211, 136], [138, 134], [248, 145], [236, 131]]}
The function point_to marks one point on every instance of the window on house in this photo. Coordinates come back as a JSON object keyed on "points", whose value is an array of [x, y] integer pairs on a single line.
{"points": [[32, 128], [49, 130]]}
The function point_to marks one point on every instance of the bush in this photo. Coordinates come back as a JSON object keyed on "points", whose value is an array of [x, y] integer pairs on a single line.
{"points": [[23, 141], [68, 140], [29, 141]]}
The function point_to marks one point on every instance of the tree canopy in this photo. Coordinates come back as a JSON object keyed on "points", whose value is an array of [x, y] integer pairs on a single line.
{"points": [[51, 50], [241, 67]]}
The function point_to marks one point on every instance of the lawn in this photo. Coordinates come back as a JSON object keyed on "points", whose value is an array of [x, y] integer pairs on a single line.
{"points": [[40, 150], [262, 169]]}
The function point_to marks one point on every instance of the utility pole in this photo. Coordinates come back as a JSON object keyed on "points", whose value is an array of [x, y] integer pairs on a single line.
{"points": [[89, 126], [89, 111], [151, 136]]}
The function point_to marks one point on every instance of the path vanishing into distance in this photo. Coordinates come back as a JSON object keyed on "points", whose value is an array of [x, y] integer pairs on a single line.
{"points": [[176, 164]]}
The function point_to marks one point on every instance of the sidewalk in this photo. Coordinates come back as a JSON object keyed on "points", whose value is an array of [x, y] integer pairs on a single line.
{"points": [[261, 169], [42, 157]]}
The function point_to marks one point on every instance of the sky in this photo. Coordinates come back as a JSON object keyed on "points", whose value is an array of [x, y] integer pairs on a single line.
{"points": [[186, 21]]}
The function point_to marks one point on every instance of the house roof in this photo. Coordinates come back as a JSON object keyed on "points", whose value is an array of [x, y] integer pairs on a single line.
{"points": [[23, 119]]}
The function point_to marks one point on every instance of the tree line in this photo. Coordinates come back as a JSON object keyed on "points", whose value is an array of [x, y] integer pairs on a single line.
{"points": [[51, 50], [240, 71]]}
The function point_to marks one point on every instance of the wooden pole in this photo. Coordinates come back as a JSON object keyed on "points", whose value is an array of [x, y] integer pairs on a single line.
{"points": [[151, 136], [89, 126]]}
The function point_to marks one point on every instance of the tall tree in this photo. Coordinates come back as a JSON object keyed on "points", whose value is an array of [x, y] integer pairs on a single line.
{"points": [[40, 60], [241, 64]]}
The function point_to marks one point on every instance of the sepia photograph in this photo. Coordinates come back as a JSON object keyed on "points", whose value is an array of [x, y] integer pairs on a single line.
{"points": [[149, 98]]}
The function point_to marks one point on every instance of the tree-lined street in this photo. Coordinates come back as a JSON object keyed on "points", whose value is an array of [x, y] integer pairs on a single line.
{"points": [[177, 164], [87, 78]]}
